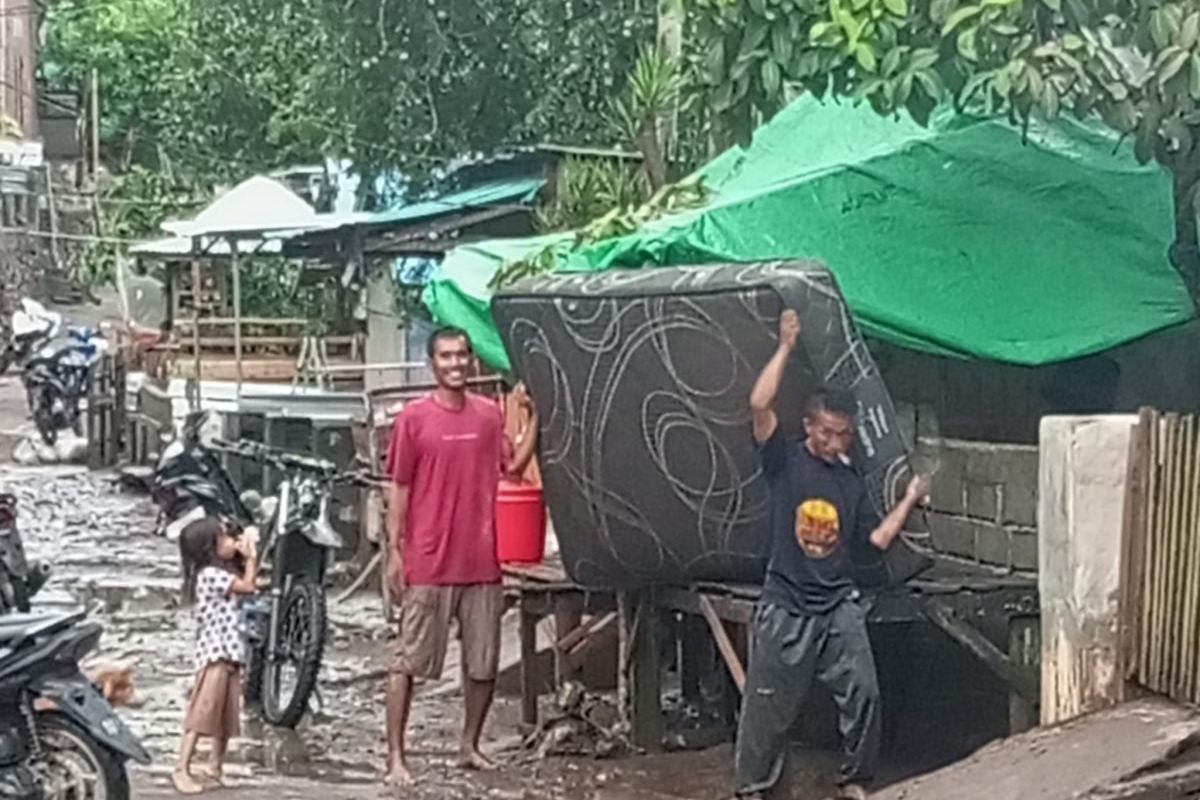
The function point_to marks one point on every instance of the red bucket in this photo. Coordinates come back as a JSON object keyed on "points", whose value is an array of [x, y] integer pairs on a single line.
{"points": [[520, 523]]}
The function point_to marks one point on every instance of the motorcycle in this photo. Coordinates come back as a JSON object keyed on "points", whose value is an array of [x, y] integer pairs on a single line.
{"points": [[20, 578], [59, 737], [33, 327], [56, 381], [286, 627], [190, 483]]}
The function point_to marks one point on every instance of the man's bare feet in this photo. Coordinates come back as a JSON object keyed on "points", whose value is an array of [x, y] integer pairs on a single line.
{"points": [[851, 791], [398, 776], [473, 759], [185, 783]]}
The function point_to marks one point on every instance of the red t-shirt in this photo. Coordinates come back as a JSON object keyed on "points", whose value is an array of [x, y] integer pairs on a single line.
{"points": [[451, 461]]}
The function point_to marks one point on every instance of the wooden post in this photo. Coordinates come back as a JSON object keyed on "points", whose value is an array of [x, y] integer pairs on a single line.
{"points": [[638, 685], [52, 210], [529, 676], [1133, 543], [1024, 653], [237, 311], [196, 279], [119, 410], [95, 123]]}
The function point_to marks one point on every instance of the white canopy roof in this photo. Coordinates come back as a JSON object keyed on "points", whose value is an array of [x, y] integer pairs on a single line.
{"points": [[253, 207]]}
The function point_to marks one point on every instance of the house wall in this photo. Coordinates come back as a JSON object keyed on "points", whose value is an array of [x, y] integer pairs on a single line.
{"points": [[390, 339], [983, 507], [987, 401], [1083, 476], [18, 34]]}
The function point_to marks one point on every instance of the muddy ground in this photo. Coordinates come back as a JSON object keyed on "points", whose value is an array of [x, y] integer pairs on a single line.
{"points": [[106, 558]]}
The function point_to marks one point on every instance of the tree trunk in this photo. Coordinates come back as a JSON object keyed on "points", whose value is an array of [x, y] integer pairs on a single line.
{"points": [[653, 160], [671, 17]]}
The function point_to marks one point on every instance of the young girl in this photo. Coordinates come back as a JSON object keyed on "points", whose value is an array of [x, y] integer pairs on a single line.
{"points": [[218, 566]]}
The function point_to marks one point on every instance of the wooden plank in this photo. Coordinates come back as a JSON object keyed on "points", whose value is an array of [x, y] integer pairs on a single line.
{"points": [[568, 618], [1187, 641], [579, 633], [1133, 543], [248, 342], [724, 643], [982, 648], [213, 322], [687, 601]]}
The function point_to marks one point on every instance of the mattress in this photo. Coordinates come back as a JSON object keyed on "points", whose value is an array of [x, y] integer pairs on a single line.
{"points": [[642, 379]]}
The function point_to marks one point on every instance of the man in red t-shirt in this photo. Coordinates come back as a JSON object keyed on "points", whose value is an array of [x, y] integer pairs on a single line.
{"points": [[447, 455]]}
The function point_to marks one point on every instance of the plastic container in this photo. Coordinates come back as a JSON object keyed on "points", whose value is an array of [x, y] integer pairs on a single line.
{"points": [[520, 523]]}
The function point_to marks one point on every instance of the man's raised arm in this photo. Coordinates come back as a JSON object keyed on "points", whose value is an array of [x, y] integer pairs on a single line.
{"points": [[762, 396]]}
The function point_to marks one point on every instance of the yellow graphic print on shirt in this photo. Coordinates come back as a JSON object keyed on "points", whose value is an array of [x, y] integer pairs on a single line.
{"points": [[817, 528]]}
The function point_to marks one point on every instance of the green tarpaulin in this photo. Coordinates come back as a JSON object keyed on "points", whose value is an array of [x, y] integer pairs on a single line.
{"points": [[960, 238]]}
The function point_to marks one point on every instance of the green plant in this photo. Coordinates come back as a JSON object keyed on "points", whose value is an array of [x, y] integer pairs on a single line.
{"points": [[619, 221], [1133, 64], [586, 188], [652, 95]]}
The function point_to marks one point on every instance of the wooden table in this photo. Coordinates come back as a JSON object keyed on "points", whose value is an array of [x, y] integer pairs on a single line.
{"points": [[543, 590], [995, 617]]}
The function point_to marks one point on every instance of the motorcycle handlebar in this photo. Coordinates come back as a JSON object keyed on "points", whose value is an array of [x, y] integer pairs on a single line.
{"points": [[288, 460]]}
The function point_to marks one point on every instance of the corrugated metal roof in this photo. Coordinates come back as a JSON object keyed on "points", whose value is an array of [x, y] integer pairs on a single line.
{"points": [[516, 190]]}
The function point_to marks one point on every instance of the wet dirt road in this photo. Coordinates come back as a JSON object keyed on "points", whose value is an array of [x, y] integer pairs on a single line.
{"points": [[107, 559]]}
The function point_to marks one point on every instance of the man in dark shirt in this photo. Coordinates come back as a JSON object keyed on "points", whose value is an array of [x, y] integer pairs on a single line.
{"points": [[810, 624]]}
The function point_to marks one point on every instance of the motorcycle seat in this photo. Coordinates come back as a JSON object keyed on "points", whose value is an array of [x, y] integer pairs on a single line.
{"points": [[16, 629]]}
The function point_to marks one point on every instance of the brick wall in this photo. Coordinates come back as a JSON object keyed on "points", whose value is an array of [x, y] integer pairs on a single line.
{"points": [[984, 502]]}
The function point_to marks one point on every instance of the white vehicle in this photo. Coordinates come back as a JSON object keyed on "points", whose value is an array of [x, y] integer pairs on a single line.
{"points": [[33, 328]]}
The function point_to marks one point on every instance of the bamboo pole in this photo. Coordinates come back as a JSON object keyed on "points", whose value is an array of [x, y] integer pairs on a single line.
{"points": [[235, 267], [1190, 565]]}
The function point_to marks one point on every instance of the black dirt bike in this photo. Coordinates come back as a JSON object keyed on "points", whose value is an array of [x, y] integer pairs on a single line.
{"points": [[287, 626]]}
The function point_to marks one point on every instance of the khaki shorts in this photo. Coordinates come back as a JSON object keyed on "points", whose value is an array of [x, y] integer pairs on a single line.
{"points": [[215, 701], [425, 616]]}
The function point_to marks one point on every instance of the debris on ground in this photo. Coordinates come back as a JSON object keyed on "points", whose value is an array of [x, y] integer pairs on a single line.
{"points": [[585, 724], [32, 451]]}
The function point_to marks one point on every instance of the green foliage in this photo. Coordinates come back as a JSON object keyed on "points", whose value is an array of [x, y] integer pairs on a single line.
{"points": [[223, 89], [586, 188], [673, 198], [1135, 64]]}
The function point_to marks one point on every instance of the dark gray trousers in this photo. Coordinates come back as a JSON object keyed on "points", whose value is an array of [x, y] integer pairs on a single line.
{"points": [[790, 651]]}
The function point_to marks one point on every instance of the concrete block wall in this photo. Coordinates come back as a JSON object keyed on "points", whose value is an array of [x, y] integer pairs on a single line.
{"points": [[984, 502]]}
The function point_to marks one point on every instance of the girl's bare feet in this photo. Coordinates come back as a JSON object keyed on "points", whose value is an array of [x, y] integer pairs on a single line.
{"points": [[185, 783], [212, 775]]}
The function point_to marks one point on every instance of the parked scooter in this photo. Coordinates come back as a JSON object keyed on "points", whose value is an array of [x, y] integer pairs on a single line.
{"points": [[56, 381], [190, 483], [33, 327], [59, 737], [20, 578]]}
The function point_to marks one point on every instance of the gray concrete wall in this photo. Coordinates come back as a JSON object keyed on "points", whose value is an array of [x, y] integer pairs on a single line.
{"points": [[984, 502]]}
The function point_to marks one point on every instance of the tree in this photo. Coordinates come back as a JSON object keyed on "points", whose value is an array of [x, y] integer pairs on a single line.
{"points": [[1133, 64]]}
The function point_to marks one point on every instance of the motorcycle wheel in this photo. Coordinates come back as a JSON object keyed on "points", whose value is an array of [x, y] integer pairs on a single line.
{"points": [[252, 686], [290, 678], [73, 765], [43, 417]]}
